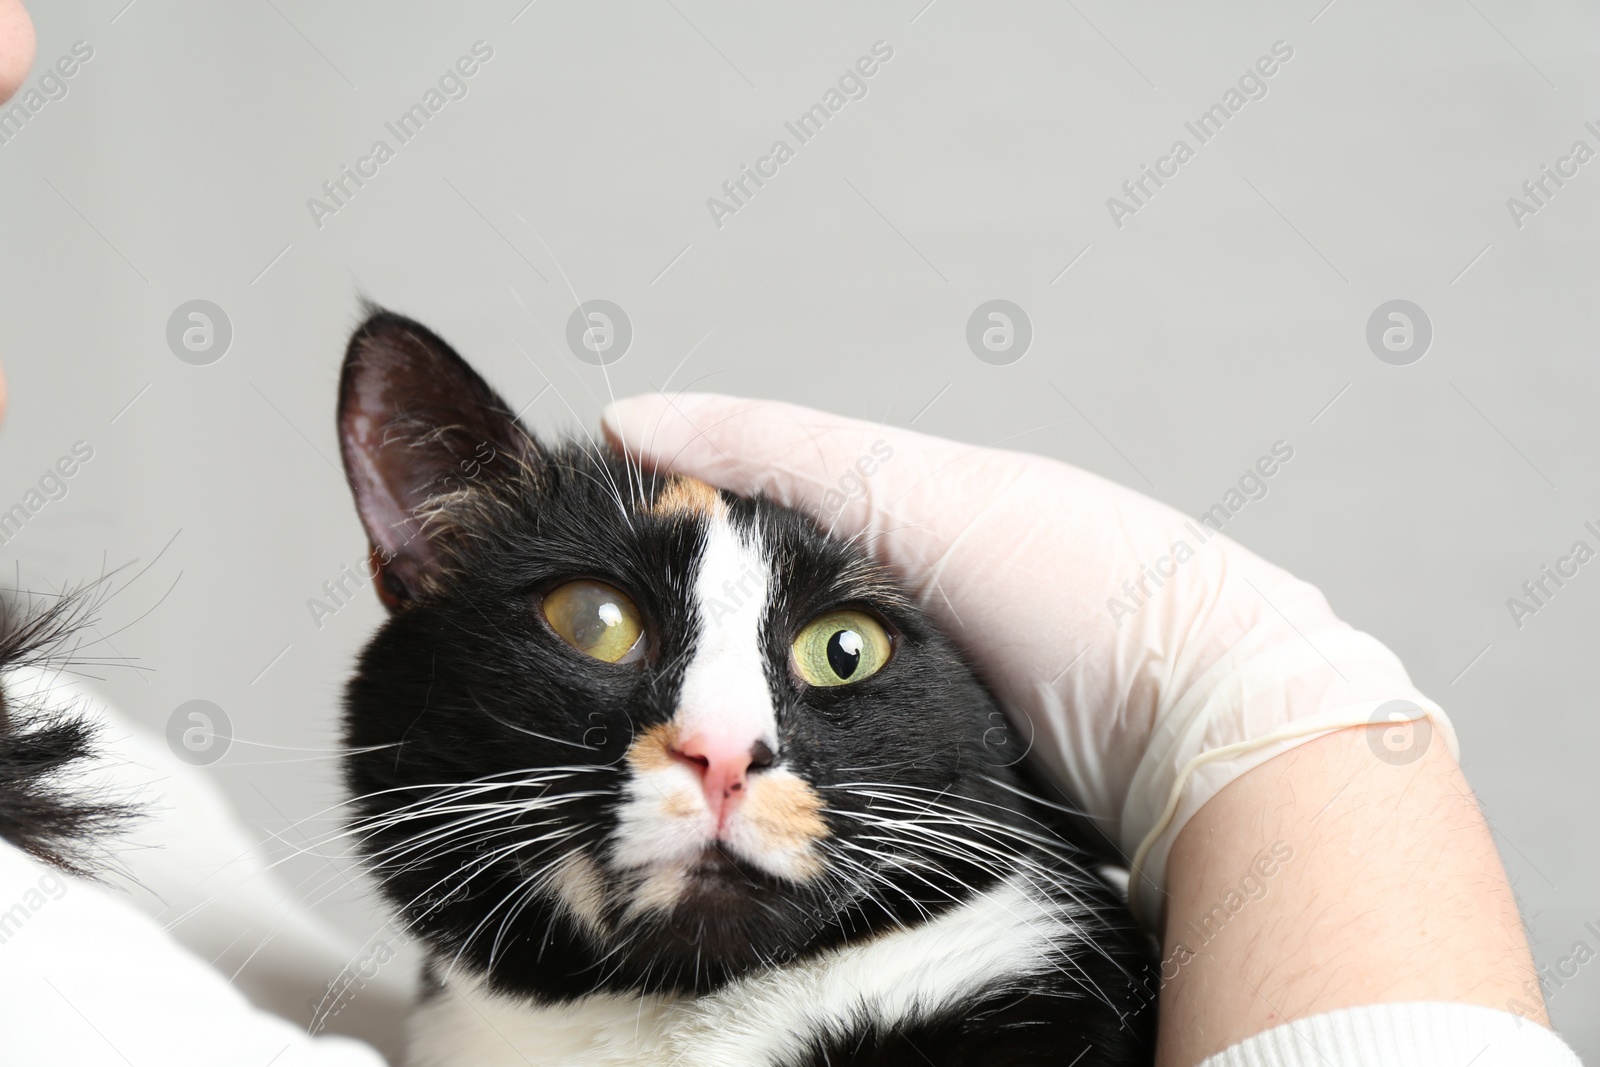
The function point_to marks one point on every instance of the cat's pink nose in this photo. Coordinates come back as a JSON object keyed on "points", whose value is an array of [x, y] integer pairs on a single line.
{"points": [[724, 763]]}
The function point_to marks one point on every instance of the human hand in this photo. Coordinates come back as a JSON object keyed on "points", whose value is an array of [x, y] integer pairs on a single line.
{"points": [[16, 57], [1162, 668], [16, 46], [1131, 638]]}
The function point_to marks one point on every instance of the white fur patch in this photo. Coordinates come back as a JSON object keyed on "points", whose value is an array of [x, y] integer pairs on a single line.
{"points": [[579, 887], [465, 1024], [725, 685], [664, 823], [1006, 934]]}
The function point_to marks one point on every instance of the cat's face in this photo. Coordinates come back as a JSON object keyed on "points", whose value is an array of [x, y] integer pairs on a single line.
{"points": [[623, 730]]}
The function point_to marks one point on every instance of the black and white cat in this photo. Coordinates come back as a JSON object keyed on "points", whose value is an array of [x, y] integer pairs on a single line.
{"points": [[664, 776]]}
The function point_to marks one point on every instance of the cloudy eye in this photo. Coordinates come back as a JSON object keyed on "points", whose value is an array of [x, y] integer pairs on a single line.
{"points": [[596, 619], [841, 647]]}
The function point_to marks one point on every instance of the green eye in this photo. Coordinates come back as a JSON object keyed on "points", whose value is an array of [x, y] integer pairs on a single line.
{"points": [[597, 620], [841, 647]]}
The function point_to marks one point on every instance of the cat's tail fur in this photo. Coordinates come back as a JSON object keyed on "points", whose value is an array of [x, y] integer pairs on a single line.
{"points": [[42, 810]]}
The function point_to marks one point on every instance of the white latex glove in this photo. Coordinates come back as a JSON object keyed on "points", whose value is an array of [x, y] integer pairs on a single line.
{"points": [[1154, 659]]}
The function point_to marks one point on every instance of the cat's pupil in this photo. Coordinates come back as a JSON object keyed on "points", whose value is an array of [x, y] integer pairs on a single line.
{"points": [[844, 652]]}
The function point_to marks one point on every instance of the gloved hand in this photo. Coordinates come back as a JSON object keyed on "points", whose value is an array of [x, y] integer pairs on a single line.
{"points": [[1154, 659]]}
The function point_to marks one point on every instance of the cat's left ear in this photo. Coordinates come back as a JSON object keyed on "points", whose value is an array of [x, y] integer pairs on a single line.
{"points": [[415, 423]]}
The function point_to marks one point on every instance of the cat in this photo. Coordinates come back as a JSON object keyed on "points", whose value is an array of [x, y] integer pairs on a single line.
{"points": [[662, 775]]}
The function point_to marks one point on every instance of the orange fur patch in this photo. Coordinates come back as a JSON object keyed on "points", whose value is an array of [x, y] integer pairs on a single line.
{"points": [[787, 813], [687, 496], [680, 805], [652, 750]]}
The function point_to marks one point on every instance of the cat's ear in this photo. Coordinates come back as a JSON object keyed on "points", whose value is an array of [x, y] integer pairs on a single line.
{"points": [[415, 423]]}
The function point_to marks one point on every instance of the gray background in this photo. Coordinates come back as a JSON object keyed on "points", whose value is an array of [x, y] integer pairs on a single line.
{"points": [[1229, 313]]}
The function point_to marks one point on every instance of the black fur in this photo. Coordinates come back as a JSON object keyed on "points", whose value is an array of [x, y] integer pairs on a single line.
{"points": [[39, 743], [465, 684], [1002, 1027]]}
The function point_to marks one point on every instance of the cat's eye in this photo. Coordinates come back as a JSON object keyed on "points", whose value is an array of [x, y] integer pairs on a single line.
{"points": [[596, 619], [841, 647]]}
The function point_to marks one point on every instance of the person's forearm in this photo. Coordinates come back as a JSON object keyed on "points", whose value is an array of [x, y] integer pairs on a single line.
{"points": [[1329, 877]]}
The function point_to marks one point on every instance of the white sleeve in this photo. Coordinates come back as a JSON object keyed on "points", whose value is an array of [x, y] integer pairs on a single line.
{"points": [[88, 979], [1403, 1035], [91, 974], [190, 864]]}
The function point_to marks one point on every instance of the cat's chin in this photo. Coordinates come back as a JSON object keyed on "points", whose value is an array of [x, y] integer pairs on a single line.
{"points": [[715, 917], [715, 887], [715, 868], [716, 874]]}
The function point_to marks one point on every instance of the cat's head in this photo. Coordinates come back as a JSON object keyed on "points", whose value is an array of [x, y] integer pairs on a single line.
{"points": [[623, 730]]}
